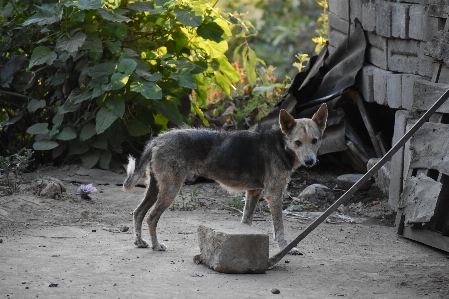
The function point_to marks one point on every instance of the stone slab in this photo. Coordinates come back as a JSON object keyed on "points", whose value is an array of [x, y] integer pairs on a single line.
{"points": [[233, 248]]}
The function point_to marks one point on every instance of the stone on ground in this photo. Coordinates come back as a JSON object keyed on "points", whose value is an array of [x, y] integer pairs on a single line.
{"points": [[233, 248]]}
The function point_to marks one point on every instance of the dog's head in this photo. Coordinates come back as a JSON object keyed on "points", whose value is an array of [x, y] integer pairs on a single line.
{"points": [[304, 136]]}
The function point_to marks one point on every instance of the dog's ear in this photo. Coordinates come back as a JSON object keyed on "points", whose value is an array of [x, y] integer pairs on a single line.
{"points": [[320, 117], [286, 121]]}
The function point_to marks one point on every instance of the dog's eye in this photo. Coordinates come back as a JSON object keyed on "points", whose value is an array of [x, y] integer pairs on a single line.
{"points": [[314, 141], [298, 143]]}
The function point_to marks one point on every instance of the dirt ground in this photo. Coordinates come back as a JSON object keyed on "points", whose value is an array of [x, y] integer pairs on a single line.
{"points": [[75, 248]]}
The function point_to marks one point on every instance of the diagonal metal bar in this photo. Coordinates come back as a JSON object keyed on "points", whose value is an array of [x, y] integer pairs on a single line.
{"points": [[347, 195]]}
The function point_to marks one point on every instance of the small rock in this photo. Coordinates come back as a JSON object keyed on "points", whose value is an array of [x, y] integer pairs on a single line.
{"points": [[124, 229], [1, 240], [94, 230], [53, 285], [346, 181], [275, 291]]}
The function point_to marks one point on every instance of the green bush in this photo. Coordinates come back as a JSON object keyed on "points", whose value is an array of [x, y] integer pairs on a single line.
{"points": [[84, 77]]}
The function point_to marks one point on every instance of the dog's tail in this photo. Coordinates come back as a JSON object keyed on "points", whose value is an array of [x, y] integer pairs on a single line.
{"points": [[134, 174]]}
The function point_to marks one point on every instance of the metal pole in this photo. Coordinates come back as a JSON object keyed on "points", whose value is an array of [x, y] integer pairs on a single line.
{"points": [[278, 256]]}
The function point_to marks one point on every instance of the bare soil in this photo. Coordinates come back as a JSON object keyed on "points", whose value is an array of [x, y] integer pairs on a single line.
{"points": [[75, 248]]}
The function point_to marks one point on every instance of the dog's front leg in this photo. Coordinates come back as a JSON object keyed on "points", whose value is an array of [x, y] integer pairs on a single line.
{"points": [[275, 203]]}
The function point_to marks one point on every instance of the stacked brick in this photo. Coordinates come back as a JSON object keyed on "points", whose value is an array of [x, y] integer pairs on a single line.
{"points": [[401, 69]]}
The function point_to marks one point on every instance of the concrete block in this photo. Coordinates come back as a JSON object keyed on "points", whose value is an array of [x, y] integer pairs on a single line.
{"points": [[426, 93], [416, 14], [423, 26], [233, 248], [397, 161], [444, 75], [429, 146], [407, 90], [380, 86], [399, 20], [340, 8], [403, 56], [420, 199], [382, 176], [377, 50], [338, 29], [369, 16], [426, 64], [364, 82], [383, 18], [394, 90], [356, 10]]}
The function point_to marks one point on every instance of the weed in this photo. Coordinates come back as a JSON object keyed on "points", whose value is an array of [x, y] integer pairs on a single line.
{"points": [[11, 170], [237, 203], [188, 202]]}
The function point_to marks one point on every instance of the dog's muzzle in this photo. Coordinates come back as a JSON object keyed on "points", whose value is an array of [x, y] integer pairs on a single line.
{"points": [[309, 161]]}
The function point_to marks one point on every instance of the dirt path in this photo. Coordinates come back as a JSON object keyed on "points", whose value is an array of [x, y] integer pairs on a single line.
{"points": [[67, 249]]}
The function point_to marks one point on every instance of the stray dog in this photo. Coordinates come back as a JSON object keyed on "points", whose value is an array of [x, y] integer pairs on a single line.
{"points": [[260, 161]]}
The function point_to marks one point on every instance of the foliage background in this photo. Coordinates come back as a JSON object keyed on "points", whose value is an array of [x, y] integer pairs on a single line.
{"points": [[94, 79]]}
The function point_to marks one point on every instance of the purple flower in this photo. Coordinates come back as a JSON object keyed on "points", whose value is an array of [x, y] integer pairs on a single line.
{"points": [[85, 190]]}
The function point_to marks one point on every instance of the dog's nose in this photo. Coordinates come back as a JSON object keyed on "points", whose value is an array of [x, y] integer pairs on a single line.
{"points": [[308, 161]]}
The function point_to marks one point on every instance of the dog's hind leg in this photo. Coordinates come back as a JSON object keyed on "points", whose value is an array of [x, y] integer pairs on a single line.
{"points": [[142, 209], [252, 198], [169, 186]]}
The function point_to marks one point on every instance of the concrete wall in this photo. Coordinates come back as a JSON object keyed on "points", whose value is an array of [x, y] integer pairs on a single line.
{"points": [[404, 68]]}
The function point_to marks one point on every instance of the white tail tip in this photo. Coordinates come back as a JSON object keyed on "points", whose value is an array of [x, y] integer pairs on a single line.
{"points": [[131, 166]]}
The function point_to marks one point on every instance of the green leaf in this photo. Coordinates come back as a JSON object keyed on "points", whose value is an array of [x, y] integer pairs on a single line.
{"points": [[187, 17], [116, 105], [57, 119], [127, 66], [78, 148], [113, 3], [119, 80], [93, 43], [13, 64], [141, 6], [105, 159], [169, 109], [200, 113], [148, 76], [148, 89], [49, 14], [100, 141], [184, 78], [224, 25], [58, 151], [79, 95], [90, 158], [100, 72], [34, 104], [222, 81], [227, 68], [71, 44], [211, 31], [39, 128], [44, 145], [85, 4], [202, 84], [249, 64], [42, 55], [116, 15], [67, 133], [137, 128], [87, 131], [104, 119], [121, 31]]}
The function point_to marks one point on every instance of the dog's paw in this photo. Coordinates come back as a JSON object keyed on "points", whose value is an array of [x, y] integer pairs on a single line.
{"points": [[141, 243], [294, 251], [160, 247]]}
